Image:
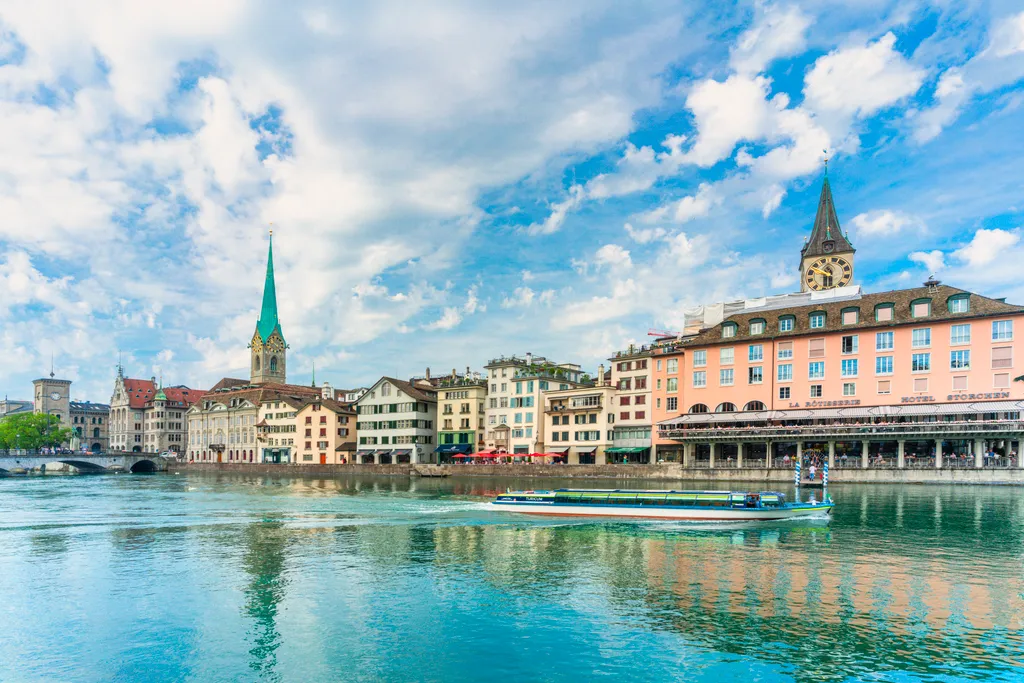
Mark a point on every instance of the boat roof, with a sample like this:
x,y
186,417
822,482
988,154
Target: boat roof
x,y
599,491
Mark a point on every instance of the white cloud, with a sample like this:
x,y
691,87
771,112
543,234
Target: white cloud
x,y
521,297
644,235
987,246
449,319
778,32
726,113
687,251
883,222
860,80
559,211
934,261
613,256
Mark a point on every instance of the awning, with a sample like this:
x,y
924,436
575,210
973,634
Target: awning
x,y
454,448
624,449
380,453
401,452
365,452
590,452
558,451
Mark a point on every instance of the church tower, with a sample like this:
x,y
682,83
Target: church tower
x,y
826,261
268,346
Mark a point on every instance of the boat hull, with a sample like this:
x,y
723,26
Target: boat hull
x,y
706,514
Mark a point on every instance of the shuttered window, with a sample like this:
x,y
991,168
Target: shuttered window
x,y
1002,357
816,348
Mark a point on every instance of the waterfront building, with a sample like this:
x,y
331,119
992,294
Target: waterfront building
x,y
328,432
396,422
145,417
13,407
515,398
462,411
90,423
631,375
919,377
580,421
276,427
52,396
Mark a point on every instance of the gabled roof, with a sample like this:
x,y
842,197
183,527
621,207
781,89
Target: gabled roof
x,y
407,388
826,230
258,394
337,407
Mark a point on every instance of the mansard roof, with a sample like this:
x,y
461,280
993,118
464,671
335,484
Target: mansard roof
x,y
826,228
900,300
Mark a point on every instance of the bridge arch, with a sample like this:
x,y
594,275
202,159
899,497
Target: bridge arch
x,y
143,466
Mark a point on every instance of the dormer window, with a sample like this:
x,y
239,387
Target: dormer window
x,y
817,320
786,323
884,312
851,316
729,330
960,303
921,308
757,326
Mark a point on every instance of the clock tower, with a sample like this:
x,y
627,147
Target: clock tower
x,y
826,261
268,348
53,397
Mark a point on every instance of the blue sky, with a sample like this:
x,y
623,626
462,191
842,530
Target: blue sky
x,y
456,182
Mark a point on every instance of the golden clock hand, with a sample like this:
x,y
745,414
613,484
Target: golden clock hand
x,y
819,271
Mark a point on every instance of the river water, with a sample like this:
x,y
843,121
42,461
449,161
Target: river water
x,y
205,577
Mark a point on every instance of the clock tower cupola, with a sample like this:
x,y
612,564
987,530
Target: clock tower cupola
x,y
826,260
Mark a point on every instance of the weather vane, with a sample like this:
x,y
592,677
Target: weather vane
x,y
826,161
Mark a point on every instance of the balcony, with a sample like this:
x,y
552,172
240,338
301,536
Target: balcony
x,y
974,429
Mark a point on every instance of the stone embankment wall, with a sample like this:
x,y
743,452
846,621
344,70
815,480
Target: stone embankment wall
x,y
664,472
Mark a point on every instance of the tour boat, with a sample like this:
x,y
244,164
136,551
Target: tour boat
x,y
655,504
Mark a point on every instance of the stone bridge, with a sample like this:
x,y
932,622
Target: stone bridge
x,y
85,462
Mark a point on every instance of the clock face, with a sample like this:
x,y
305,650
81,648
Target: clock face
x,y
828,272
55,395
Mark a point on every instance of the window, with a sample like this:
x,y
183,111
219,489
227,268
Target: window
x,y
783,392
921,308
960,303
725,377
921,384
1001,380
658,384
817,320
785,372
816,348
786,323
884,386
921,338
849,389
883,312
755,375
960,334
755,353
921,362
729,330
639,415
815,391
960,360
658,365
851,316
785,350
518,419
725,356
959,382
1002,357
672,364
756,327
672,385
849,367
816,370
883,365
850,343
1002,329
672,403
623,400
884,341
700,379
698,408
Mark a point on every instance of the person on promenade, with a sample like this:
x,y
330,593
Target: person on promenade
x,y
811,471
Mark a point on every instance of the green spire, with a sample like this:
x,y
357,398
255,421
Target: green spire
x,y
268,314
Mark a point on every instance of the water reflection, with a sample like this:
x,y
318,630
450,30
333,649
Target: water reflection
x,y
265,551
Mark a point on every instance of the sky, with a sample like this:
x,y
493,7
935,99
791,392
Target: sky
x,y
449,182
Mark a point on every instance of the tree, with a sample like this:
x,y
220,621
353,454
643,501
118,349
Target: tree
x,y
32,431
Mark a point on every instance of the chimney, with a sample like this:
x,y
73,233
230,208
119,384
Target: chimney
x,y
529,358
428,374
600,375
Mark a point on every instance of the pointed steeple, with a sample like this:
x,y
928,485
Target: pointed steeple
x,y
826,235
268,321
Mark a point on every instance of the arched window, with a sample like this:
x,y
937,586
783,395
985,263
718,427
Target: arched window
x,y
273,363
699,408
256,363
754,405
726,408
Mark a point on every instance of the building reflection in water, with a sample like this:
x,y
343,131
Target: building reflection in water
x,y
264,559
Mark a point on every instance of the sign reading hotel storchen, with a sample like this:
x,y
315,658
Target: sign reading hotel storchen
x,y
989,396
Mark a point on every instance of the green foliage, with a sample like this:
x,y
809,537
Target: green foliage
x,y
32,431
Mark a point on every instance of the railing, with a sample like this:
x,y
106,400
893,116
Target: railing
x,y
871,431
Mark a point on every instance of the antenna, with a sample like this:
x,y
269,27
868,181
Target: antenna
x,y
51,365
826,162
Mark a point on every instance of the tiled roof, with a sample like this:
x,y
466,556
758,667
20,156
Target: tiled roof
x,y
901,299
89,407
258,394
139,391
229,382
183,395
408,389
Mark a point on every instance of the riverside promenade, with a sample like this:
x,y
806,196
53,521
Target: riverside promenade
x,y
659,472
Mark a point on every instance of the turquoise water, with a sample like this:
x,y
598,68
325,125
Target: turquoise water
x,y
235,578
